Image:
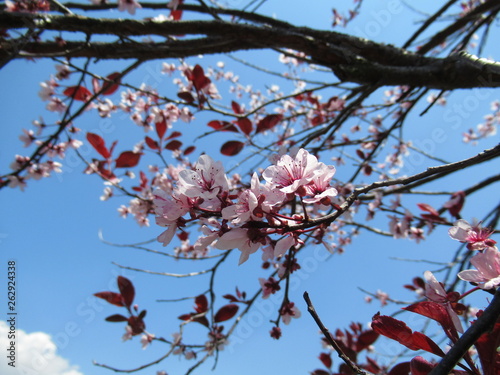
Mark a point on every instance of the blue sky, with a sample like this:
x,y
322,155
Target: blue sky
x,y
51,231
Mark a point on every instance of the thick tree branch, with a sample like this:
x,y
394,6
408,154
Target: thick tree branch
x,y
351,59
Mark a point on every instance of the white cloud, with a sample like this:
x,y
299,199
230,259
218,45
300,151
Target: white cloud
x,y
35,354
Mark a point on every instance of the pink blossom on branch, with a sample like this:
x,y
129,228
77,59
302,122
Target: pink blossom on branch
x,y
487,272
477,238
128,5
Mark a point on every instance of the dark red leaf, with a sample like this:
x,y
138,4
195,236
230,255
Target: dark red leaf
x,y
236,108
400,369
455,204
399,331
142,314
365,339
326,359
174,134
231,148
185,317
201,304
486,347
223,126
127,290
268,122
161,128
226,312
116,318
152,143
198,78
173,145
176,14
111,297
419,366
186,96
128,159
189,150
98,143
230,297
110,87
436,312
361,154
78,93
245,125
320,372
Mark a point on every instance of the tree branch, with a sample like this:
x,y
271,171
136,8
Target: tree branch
x,y
351,59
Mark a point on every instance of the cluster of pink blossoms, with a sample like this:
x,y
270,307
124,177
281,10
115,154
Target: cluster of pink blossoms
x,y
247,218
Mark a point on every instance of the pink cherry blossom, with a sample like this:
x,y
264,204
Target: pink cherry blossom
x,y
290,174
253,203
477,238
128,5
289,311
246,240
207,181
269,286
283,245
319,187
487,272
435,292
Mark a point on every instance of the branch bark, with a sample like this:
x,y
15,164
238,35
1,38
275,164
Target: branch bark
x,y
351,59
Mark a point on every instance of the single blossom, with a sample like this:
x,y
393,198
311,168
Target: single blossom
x,y
289,311
290,175
207,181
476,237
319,187
487,272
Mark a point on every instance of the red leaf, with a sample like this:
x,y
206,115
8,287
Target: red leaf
x,y
400,332
152,143
201,304
98,143
245,125
198,78
186,96
236,108
486,347
176,14
230,297
320,372
78,93
173,145
127,290
111,297
174,134
226,312
326,359
455,204
400,369
419,366
189,150
366,339
268,122
361,154
116,318
436,312
161,128
223,126
109,87
231,148
128,159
